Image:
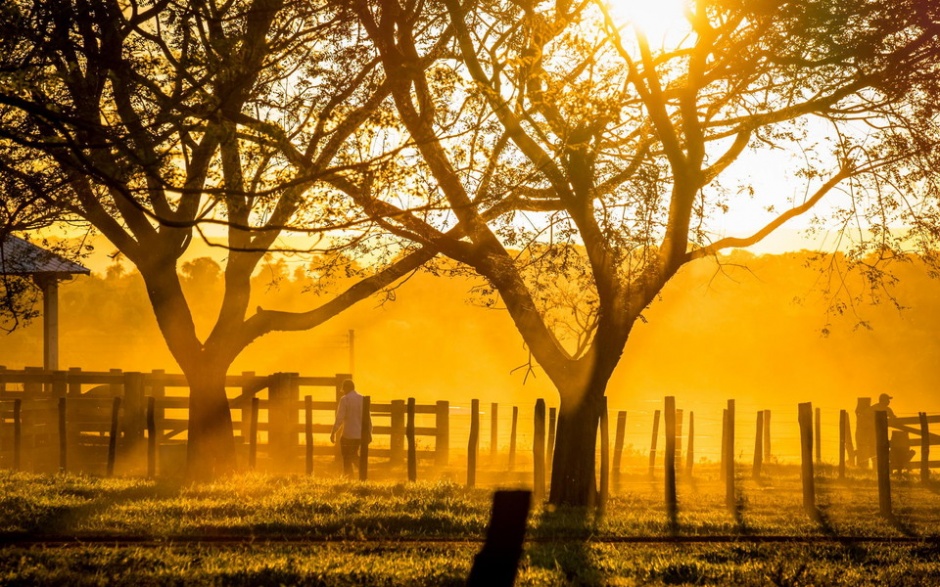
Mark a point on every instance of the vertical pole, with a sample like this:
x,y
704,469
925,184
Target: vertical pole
x,y
758,446
605,455
112,438
924,448
397,439
722,469
538,451
550,451
63,439
730,500
442,441
690,452
253,433
678,439
410,434
618,445
843,433
50,322
669,460
767,436
512,438
653,441
135,418
151,436
847,440
494,430
248,392
473,443
75,388
884,466
366,438
17,433
806,455
308,432
818,436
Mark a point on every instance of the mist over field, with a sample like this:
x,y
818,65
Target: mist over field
x,y
744,327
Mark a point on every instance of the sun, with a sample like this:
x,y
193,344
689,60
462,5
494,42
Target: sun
x,y
655,19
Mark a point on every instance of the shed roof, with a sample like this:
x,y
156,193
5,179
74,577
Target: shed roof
x,y
20,257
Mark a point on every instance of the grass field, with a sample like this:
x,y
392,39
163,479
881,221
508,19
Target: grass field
x,y
263,530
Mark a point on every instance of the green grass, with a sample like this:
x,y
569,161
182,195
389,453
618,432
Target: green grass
x,y
302,531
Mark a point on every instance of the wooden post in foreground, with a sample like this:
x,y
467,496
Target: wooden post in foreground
x,y
366,438
758,446
410,438
843,426
605,456
397,436
512,438
112,437
497,562
883,464
690,451
653,441
669,461
817,437
618,445
538,451
308,432
151,436
924,448
473,443
766,436
806,455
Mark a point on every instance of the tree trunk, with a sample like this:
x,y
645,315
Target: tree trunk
x,y
211,448
573,480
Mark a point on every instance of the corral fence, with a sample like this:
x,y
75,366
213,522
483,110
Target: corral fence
x,y
86,421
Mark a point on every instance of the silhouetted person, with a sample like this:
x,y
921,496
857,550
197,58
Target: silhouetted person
x,y
349,425
882,406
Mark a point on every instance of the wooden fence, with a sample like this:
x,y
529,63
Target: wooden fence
x,y
63,420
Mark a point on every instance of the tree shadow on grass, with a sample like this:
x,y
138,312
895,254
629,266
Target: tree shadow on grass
x,y
561,543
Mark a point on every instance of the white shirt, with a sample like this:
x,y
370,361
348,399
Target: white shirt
x,y
349,415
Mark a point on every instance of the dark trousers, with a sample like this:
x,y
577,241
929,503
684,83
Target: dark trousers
x,y
350,450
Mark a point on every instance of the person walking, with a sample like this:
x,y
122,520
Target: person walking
x,y
349,427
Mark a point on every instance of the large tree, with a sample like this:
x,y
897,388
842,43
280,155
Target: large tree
x,y
578,163
144,120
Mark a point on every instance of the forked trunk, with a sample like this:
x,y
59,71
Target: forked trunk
x,y
211,448
573,480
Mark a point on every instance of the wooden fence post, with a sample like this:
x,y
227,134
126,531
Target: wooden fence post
x,y
497,562
282,421
550,450
883,464
410,435
473,444
112,438
308,432
135,417
690,451
730,499
538,451
60,385
843,426
618,445
847,439
806,456
253,433
442,438
152,437
767,436
758,446
678,439
669,461
512,438
653,441
817,437
924,448
17,433
397,438
605,455
494,430
365,438
63,438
